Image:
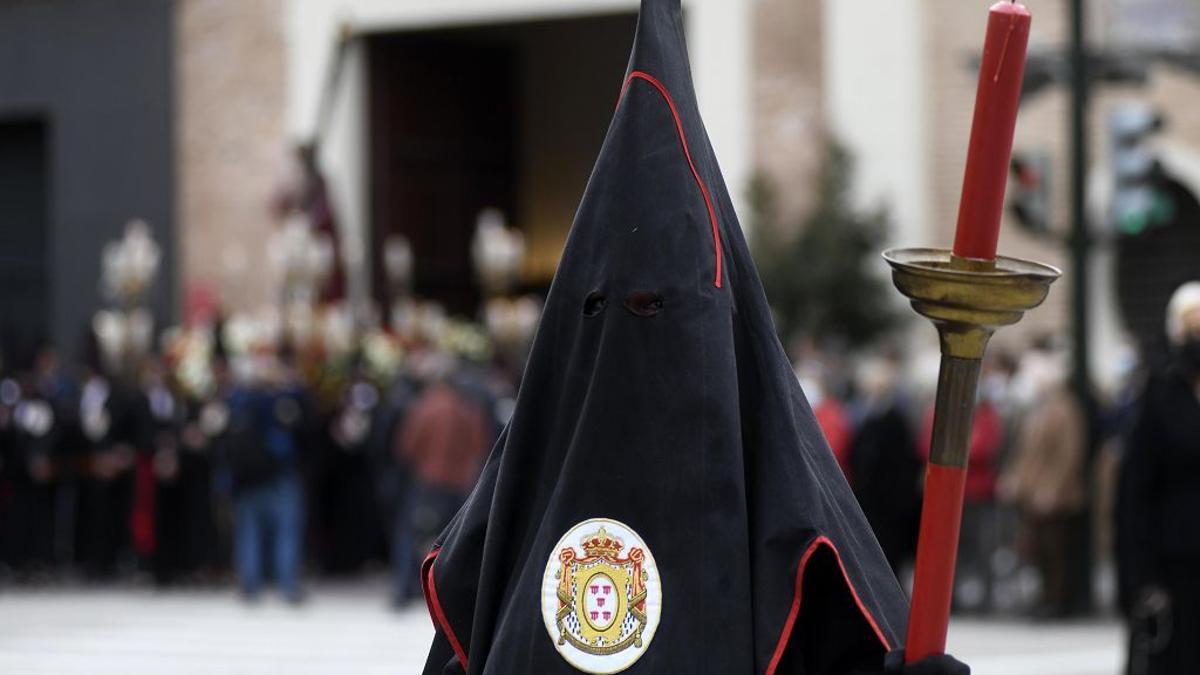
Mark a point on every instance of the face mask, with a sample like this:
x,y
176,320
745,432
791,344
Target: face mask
x,y
1189,355
993,388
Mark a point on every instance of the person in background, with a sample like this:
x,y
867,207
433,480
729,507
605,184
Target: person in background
x,y
998,385
347,519
203,419
214,421
35,467
392,486
830,413
1046,480
884,464
9,395
1158,506
443,442
166,526
115,420
262,457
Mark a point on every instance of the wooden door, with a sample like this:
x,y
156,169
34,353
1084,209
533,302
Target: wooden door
x,y
442,148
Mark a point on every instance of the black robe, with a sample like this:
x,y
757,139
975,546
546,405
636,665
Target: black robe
x,y
31,522
1158,534
104,539
886,472
658,399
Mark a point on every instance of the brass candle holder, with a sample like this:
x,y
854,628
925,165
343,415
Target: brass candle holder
x,y
967,300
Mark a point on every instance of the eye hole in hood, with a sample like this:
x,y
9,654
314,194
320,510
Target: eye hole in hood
x,y
594,303
644,303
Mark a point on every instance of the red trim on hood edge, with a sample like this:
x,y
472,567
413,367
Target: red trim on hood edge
x,y
794,613
712,213
435,608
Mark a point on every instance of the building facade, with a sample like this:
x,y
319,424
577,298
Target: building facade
x,y
86,125
190,116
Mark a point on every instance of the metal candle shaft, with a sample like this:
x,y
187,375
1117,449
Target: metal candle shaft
x,y
941,512
967,300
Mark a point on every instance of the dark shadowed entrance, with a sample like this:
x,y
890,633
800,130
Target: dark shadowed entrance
x,y
24,231
508,116
443,148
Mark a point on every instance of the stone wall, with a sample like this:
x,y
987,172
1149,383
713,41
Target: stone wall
x,y
788,125
231,142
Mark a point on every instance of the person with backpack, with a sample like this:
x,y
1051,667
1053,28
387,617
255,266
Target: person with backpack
x,y
262,461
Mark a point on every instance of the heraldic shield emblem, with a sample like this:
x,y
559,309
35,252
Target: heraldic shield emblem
x,y
601,596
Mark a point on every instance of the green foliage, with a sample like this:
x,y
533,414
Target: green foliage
x,y
823,278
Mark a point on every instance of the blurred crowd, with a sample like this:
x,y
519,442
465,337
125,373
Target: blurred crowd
x,y
1060,517
317,434
235,450
215,456
1025,488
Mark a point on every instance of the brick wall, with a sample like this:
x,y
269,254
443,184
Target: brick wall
x,y
231,142
788,126
956,33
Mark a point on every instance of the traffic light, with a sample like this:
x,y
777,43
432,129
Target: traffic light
x,y
1030,190
1138,203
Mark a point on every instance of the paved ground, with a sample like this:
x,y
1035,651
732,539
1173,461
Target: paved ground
x,y
1024,648
347,630
340,630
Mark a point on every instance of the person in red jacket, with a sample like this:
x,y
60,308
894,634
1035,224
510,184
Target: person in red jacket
x,y
831,416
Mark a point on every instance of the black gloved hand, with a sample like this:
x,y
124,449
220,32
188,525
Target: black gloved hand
x,y
940,664
1152,620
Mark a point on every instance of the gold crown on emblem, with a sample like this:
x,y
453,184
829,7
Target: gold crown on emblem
x,y
601,544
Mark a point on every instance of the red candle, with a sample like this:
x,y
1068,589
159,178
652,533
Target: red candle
x,y
996,99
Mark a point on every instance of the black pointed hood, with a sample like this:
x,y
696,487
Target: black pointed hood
x,y
659,413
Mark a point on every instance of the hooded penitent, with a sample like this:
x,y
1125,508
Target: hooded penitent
x,y
662,500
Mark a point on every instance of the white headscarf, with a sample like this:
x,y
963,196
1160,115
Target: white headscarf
x,y
1185,299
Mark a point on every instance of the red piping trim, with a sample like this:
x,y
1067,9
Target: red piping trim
x,y
712,213
435,608
795,611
